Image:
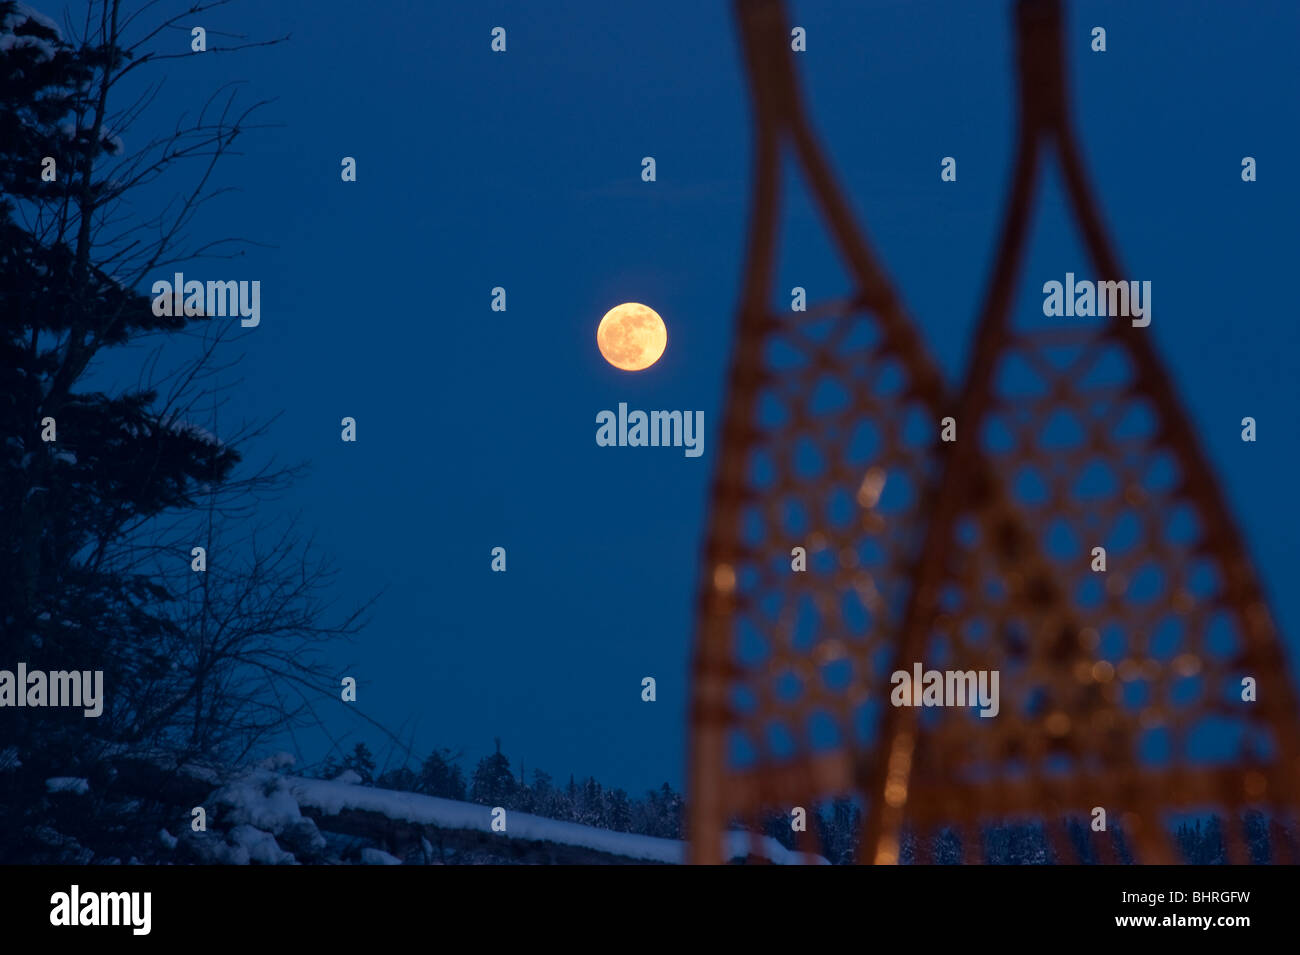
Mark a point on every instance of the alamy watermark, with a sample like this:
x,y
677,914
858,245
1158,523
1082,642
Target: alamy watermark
x,y
75,907
214,299
656,429
946,688
1103,299
76,688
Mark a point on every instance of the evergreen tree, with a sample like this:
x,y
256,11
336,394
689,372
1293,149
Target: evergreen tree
x,y
401,779
113,460
361,762
440,775
590,807
493,784
669,805
1188,841
1081,840
618,811
1255,826
103,494
543,785
549,800
1212,850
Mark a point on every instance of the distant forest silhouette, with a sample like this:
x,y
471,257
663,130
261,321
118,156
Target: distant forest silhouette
x,y
837,824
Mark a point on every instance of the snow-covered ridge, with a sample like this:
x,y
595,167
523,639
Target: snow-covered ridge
x,y
332,797
265,802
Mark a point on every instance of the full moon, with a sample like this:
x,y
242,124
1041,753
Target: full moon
x,y
631,336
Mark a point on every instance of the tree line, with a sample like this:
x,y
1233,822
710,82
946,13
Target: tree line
x,y
835,825
493,782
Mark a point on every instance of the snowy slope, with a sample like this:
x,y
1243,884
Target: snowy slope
x,y
274,802
332,797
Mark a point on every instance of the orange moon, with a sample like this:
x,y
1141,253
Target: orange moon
x,y
631,336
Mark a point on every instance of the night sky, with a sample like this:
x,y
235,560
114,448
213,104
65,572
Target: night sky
x,y
522,170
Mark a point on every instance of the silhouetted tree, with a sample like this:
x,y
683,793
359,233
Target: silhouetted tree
x,y
441,776
361,762
97,525
618,811
402,779
493,784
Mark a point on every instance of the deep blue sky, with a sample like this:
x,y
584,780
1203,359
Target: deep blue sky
x,y
476,429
